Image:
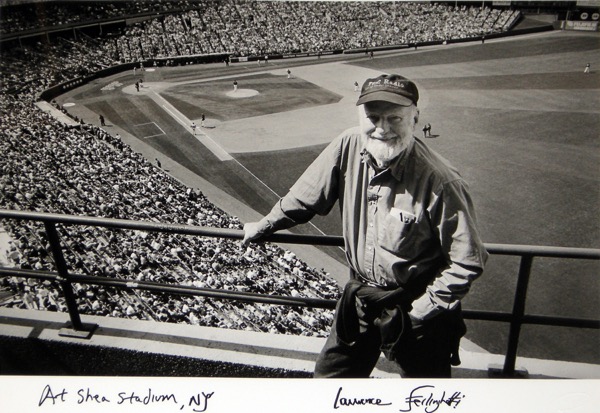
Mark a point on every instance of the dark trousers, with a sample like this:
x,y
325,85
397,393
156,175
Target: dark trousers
x,y
426,353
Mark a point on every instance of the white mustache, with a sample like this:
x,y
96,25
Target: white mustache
x,y
381,135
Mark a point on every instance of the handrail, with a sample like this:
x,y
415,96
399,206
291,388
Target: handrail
x,y
285,238
516,318
154,286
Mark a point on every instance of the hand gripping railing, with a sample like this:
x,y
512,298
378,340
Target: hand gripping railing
x,y
78,329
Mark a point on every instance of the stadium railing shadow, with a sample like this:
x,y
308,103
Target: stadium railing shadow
x,y
75,328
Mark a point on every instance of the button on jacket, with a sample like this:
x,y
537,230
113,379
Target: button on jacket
x,y
412,224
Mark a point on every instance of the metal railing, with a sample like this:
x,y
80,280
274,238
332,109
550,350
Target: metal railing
x,y
517,318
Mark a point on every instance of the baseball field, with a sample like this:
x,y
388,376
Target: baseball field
x,y
518,117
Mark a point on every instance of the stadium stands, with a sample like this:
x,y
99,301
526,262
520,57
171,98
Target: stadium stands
x,y
85,171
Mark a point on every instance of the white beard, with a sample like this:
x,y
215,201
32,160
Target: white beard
x,y
385,151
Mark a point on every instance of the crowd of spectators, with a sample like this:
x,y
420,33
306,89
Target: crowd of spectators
x,y
27,71
245,28
47,166
21,17
278,27
83,170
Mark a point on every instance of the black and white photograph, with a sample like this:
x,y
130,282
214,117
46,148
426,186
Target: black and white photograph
x,y
239,205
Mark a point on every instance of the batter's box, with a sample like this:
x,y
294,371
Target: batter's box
x,y
149,130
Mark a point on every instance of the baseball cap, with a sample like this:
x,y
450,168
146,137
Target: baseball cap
x,y
390,88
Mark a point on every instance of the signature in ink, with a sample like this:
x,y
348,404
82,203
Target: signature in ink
x,y
425,398
341,401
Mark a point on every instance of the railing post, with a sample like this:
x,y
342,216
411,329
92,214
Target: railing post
x,y
75,328
517,317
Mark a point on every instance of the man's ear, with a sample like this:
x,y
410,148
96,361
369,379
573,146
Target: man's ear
x,y
416,118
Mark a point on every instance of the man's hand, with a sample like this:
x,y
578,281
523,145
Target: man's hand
x,y
253,231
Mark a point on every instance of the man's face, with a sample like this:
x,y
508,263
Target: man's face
x,y
388,129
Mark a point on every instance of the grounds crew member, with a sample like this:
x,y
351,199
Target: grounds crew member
x,y
410,234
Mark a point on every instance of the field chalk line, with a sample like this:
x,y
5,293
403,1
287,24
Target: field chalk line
x,y
213,146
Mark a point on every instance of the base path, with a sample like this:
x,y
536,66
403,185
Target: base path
x,y
206,140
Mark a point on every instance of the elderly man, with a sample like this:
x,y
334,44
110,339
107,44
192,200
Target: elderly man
x,y
410,233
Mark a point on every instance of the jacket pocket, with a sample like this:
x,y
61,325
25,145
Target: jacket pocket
x,y
395,232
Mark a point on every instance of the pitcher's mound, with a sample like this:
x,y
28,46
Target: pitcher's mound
x,y
242,93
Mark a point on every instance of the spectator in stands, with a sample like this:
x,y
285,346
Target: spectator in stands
x,y
410,235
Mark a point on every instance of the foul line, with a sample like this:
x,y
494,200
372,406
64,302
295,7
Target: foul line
x,y
275,193
213,146
226,157
153,136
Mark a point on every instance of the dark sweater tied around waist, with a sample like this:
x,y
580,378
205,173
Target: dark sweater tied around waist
x,y
388,311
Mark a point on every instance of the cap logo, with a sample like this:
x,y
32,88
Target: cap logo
x,y
386,82
391,88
